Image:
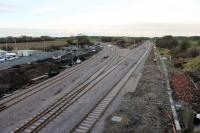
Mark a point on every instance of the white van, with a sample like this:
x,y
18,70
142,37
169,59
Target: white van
x,y
11,56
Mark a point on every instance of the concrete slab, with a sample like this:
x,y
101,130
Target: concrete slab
x,y
133,82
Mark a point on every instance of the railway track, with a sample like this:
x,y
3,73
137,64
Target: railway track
x,y
90,119
53,81
40,120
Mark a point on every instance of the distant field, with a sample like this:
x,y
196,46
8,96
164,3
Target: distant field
x,y
36,45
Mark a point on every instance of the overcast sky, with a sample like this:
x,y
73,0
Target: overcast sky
x,y
99,17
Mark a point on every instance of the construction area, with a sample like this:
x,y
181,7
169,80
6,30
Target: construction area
x,y
23,76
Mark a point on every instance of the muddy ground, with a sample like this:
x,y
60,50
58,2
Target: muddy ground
x,y
20,76
147,110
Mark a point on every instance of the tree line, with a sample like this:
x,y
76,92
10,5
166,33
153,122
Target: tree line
x,y
170,42
180,46
23,39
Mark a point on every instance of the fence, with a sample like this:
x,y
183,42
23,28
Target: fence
x,y
33,58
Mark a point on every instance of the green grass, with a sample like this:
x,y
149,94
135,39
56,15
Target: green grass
x,y
192,64
194,43
164,52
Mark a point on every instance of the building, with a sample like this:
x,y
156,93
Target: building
x,y
2,53
24,53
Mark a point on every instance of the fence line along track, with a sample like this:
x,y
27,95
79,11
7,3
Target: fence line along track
x,y
43,118
55,80
90,119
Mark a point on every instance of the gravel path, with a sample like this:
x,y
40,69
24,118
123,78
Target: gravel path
x,y
146,109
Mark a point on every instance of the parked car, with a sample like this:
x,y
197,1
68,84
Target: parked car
x,y
2,59
106,56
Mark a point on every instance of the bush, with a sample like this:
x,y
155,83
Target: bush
x,y
168,42
175,51
52,48
194,52
199,43
184,45
193,64
106,39
70,41
82,40
9,48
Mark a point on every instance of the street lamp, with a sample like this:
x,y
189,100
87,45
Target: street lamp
x,y
27,44
78,60
44,44
15,44
6,47
72,58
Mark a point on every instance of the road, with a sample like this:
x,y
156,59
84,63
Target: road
x,y
62,103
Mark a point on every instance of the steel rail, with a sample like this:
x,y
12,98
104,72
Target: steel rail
x,y
90,119
65,98
56,80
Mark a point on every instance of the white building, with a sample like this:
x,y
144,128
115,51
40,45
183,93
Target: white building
x,y
23,53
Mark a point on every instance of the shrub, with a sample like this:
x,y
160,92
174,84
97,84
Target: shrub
x,y
168,42
194,52
9,48
184,45
106,39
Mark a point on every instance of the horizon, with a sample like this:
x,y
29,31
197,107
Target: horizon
x,y
138,18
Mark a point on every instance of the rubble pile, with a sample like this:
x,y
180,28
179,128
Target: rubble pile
x,y
184,89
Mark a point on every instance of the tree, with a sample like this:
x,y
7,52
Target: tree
x,y
106,39
121,43
24,38
82,40
185,45
194,52
70,41
47,38
9,48
167,42
199,43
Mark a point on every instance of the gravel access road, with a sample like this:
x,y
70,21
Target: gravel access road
x,y
144,109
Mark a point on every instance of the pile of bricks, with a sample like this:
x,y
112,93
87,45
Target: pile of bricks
x,y
184,89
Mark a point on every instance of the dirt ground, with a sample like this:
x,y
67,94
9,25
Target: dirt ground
x,y
20,76
147,110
